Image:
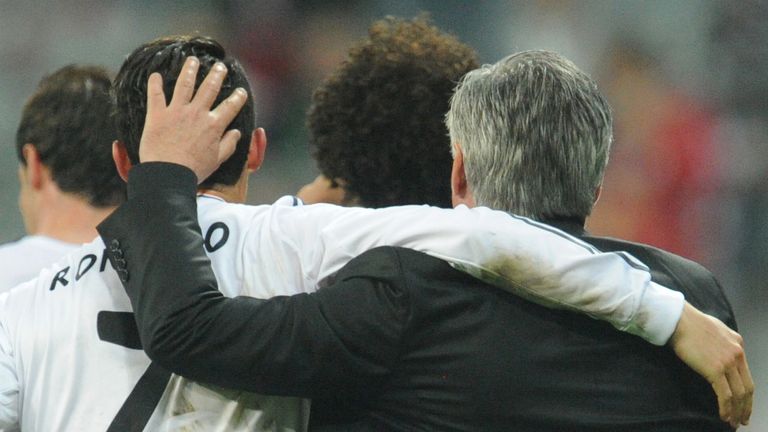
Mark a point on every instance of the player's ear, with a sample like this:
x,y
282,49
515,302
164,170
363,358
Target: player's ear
x,y
122,161
460,193
257,149
35,170
598,191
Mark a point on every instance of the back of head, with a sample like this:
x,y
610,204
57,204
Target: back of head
x,y
68,121
166,56
376,124
535,133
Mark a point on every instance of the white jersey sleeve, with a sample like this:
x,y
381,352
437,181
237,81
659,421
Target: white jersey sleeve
x,y
530,259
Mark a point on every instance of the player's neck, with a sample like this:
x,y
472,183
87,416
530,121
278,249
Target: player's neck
x,y
68,218
236,193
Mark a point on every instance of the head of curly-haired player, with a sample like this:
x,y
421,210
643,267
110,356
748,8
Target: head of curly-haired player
x,y
376,124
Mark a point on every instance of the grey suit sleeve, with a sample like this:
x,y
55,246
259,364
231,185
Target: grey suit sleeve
x,y
301,345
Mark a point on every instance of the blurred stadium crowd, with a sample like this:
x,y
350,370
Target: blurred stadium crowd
x,y
688,82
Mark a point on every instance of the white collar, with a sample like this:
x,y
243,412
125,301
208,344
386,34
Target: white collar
x,y
205,195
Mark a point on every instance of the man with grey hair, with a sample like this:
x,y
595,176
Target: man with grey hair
x,y
534,133
401,340
531,135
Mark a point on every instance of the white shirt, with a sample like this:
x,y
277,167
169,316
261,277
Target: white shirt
x,y
23,259
59,372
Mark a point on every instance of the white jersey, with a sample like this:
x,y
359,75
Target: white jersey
x,y
23,259
70,359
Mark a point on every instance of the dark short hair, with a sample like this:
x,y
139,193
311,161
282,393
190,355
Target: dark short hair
x,y
166,56
68,122
376,124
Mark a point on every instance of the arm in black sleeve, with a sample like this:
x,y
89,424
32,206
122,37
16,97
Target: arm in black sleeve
x,y
344,337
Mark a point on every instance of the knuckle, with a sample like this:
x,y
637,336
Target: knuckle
x,y
736,356
740,339
720,368
726,396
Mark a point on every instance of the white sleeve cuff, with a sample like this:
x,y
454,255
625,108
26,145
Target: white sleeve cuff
x,y
658,314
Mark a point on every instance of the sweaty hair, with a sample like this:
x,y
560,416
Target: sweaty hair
x,y
68,122
376,124
535,133
167,56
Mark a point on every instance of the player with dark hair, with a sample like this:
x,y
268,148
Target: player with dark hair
x,y
168,55
68,181
376,123
83,315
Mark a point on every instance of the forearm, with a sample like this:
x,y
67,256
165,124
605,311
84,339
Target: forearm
x,y
281,346
558,271
524,257
242,343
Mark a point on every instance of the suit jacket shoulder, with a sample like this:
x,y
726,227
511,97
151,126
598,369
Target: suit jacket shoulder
x,y
697,283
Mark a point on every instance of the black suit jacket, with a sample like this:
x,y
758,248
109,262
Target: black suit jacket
x,y
401,341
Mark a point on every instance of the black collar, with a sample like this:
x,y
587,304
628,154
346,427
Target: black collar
x,y
570,224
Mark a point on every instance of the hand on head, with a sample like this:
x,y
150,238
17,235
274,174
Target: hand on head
x,y
188,131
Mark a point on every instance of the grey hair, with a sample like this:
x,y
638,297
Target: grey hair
x,y
534,132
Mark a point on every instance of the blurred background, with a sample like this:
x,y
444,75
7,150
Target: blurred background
x,y
688,82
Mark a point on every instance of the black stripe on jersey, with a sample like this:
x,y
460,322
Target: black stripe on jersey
x,y
623,255
118,328
557,232
632,262
141,403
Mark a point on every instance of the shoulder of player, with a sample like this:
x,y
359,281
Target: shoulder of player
x,y
6,245
11,249
236,216
74,266
287,217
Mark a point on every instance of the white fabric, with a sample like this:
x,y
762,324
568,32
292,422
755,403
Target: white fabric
x,y
56,373
23,259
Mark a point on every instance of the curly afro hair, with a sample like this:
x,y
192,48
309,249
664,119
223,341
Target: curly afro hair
x,y
376,125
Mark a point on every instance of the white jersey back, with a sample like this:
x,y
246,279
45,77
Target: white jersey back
x,y
70,358
23,259
78,362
